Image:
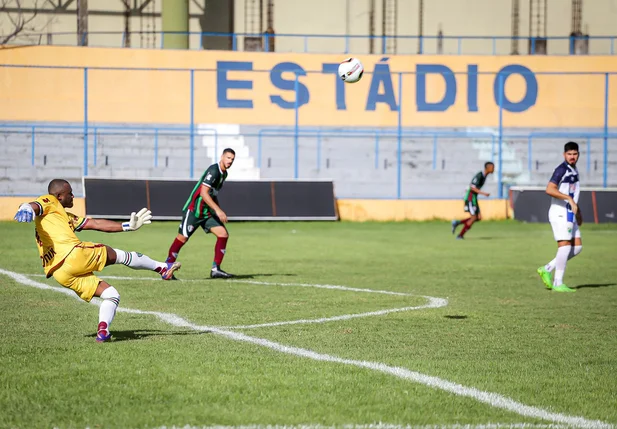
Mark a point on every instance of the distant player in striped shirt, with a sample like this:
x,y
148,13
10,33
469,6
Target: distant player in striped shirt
x,y
471,200
202,210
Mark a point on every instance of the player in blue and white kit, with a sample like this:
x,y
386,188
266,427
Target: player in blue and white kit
x,y
565,218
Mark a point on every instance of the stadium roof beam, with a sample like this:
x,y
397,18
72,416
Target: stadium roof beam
x,y
68,7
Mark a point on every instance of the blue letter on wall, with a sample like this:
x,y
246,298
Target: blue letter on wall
x,y
448,98
381,74
472,88
276,76
531,92
340,85
223,84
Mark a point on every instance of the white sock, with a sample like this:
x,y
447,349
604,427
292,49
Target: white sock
x,y
137,261
561,261
111,299
575,251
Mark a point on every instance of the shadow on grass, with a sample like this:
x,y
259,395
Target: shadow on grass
x,y
455,317
258,275
139,334
594,285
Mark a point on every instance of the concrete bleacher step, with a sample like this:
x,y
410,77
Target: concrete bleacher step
x,y
347,159
38,173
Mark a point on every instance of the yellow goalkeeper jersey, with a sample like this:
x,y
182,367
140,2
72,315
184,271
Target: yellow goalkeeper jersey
x,y
55,232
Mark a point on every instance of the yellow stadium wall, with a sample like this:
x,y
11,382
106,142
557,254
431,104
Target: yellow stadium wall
x,y
265,95
349,210
9,206
417,210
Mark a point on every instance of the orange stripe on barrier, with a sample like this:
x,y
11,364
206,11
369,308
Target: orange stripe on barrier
x,y
148,194
273,199
595,206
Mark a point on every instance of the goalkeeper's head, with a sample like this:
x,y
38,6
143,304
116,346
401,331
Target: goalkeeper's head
x,y
61,189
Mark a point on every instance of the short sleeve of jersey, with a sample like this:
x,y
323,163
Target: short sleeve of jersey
x,y
47,204
211,177
77,221
558,174
477,180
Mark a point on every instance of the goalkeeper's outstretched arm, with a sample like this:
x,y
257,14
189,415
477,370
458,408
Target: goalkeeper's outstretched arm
x,y
137,220
102,225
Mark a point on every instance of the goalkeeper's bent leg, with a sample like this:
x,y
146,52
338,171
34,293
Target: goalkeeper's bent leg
x,y
138,261
107,312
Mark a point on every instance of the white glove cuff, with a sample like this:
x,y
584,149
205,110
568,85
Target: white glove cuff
x,y
27,207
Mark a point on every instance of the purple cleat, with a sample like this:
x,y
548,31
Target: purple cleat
x,y
167,273
103,335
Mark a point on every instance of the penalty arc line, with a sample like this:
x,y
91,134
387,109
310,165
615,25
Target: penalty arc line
x,y
432,301
492,399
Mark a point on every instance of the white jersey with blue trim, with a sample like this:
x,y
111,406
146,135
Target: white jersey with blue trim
x,y
565,177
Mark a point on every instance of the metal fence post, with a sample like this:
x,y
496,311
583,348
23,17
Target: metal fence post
x,y
588,154
605,148
85,121
492,147
95,146
376,150
216,145
192,126
156,148
399,136
529,155
319,149
434,151
259,137
500,134
33,143
296,118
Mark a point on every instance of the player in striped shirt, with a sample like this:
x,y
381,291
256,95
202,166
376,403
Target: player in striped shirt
x,y
471,200
202,210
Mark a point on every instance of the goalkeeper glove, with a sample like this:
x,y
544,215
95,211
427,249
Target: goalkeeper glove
x,y
142,217
25,213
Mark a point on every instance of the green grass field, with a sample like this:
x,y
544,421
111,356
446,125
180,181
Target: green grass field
x,y
504,350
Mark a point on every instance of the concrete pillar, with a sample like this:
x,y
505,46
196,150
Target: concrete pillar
x,y
175,17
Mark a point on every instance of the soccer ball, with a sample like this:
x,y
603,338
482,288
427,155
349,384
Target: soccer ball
x,y
351,70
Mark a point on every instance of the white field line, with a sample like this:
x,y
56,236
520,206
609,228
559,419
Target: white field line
x,y
381,426
337,287
432,302
492,399
253,282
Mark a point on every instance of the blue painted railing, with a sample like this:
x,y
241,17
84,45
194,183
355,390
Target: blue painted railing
x,y
337,43
264,136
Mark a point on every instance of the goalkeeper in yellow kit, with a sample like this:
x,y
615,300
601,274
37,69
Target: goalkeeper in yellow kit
x,y
72,262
